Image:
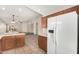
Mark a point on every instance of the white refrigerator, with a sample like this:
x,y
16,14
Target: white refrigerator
x,y
63,39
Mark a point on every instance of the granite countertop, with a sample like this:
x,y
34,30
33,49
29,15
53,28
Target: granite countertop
x,y
11,34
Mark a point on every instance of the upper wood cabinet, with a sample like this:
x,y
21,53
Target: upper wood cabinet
x,y
44,22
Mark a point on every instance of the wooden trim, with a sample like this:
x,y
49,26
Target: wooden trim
x,y
76,8
0,46
44,22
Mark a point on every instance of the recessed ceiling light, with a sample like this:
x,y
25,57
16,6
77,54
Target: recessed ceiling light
x,y
3,8
20,9
39,9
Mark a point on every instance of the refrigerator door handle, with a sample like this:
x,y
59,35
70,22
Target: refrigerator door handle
x,y
51,31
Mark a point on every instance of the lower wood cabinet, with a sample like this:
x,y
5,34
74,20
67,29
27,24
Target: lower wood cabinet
x,y
42,42
0,46
20,41
10,42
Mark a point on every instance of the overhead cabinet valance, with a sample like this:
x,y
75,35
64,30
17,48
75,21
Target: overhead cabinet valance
x,y
44,22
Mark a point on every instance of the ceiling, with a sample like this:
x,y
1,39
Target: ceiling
x,y
48,9
27,12
22,13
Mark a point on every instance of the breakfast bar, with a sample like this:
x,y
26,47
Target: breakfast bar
x,y
11,41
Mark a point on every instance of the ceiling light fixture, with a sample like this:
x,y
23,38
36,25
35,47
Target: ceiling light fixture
x,y
3,8
13,21
20,9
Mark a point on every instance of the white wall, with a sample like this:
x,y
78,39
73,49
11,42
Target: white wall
x,y
27,27
2,28
30,26
19,27
65,37
36,27
23,27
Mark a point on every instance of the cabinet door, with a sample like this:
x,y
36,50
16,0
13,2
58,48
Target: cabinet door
x,y
42,42
0,45
20,40
66,33
8,42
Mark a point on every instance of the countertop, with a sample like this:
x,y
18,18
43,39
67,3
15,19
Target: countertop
x,y
11,34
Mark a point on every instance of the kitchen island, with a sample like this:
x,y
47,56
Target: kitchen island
x,y
11,41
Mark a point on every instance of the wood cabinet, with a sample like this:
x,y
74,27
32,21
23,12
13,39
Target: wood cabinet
x,y
10,42
42,42
44,22
20,40
0,46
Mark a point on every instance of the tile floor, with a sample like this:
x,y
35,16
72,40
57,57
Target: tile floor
x,y
31,47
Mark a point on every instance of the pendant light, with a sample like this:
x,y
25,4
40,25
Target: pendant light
x,y
13,21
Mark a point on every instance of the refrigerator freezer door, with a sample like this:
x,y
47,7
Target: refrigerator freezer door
x,y
51,35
